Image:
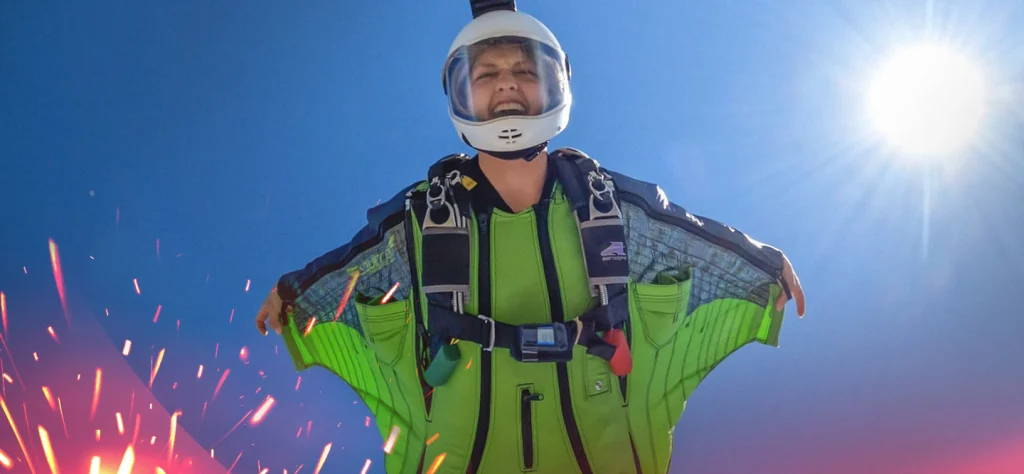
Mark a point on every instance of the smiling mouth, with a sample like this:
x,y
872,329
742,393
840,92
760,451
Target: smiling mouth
x,y
506,109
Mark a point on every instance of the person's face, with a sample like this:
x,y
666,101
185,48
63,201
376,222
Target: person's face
x,y
504,82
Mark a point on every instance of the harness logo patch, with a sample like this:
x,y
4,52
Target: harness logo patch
x,y
615,251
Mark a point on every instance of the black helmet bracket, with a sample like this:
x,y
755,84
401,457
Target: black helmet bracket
x,y
483,6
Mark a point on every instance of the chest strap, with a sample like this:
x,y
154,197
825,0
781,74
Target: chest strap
x,y
446,259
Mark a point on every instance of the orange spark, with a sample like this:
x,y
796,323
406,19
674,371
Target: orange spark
x,y
49,398
265,470
174,428
211,453
97,435
160,470
156,368
62,422
262,411
200,374
58,276
298,433
135,432
127,462
297,382
94,466
96,393
157,315
120,423
152,440
433,438
389,294
8,378
5,460
137,292
49,329
243,355
236,461
309,327
220,384
233,428
469,364
309,427
231,317
247,285
348,293
127,347
44,438
323,457
35,356
8,352
392,438
437,463
3,309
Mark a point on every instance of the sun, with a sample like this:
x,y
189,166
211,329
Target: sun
x,y
928,100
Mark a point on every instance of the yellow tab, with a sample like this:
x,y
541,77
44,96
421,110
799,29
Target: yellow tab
x,y
468,183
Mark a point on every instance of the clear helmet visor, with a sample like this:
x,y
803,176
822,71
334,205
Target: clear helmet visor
x,y
505,76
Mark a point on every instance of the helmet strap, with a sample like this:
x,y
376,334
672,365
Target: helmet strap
x,y
526,155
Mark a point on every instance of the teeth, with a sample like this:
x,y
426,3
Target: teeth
x,y
509,106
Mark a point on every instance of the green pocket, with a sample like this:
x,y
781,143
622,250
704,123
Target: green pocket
x,y
384,326
662,305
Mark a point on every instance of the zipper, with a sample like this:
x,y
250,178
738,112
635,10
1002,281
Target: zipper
x,y
526,421
483,422
624,380
421,350
558,315
636,457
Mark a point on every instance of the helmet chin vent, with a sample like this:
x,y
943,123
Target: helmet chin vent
x,y
510,135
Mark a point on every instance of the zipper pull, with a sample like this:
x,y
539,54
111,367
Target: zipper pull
x,y
532,397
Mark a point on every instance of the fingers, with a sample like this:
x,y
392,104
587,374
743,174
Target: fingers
x,y
261,321
798,295
275,320
792,281
270,310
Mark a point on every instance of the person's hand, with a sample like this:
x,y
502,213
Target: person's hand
x,y
793,283
271,310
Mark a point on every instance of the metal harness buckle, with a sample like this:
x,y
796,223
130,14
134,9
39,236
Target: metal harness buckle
x,y
490,321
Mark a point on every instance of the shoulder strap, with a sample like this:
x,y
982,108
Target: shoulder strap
x,y
591,194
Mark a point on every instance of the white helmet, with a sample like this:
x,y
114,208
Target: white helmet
x,y
508,136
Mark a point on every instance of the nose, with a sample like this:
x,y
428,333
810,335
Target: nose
x,y
507,81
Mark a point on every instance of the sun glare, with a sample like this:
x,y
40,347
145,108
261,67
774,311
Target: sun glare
x,y
927,100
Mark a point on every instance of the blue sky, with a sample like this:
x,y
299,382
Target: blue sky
x,y
251,138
